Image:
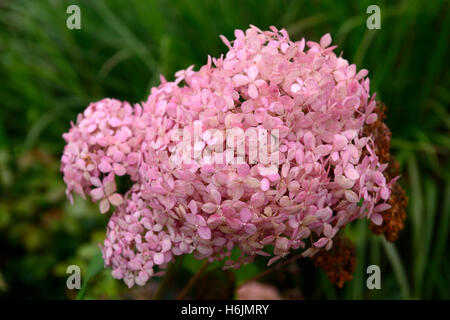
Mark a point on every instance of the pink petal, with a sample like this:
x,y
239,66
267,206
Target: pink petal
x,y
92,128
201,221
361,74
234,223
192,218
166,244
382,207
143,276
325,41
97,194
282,243
327,230
339,142
114,122
205,250
309,140
371,118
243,169
104,206
119,169
117,273
109,186
377,219
248,107
252,72
324,213
118,156
204,233
209,207
132,158
344,182
321,242
323,150
225,41
250,228
214,220
245,215
252,91
257,199
240,80
384,193
158,258
115,199
96,182
352,103
351,173
273,260
216,196
329,245
351,196
104,167
265,185
193,207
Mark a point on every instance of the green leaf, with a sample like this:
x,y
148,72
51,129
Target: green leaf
x,y
397,266
95,266
360,202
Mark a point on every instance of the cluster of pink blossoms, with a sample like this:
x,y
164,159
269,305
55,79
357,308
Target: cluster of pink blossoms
x,y
328,174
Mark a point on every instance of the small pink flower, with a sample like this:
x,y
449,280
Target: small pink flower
x,y
250,80
106,192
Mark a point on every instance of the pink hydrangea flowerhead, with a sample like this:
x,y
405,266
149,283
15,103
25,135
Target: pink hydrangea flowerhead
x,y
197,192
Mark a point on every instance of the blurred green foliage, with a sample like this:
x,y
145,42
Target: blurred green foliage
x,y
49,74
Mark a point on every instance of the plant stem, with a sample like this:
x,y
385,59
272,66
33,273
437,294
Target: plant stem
x,y
192,281
164,282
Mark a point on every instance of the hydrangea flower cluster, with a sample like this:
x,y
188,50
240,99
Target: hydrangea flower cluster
x,y
328,174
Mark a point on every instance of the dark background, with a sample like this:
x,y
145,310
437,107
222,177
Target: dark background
x,y
48,74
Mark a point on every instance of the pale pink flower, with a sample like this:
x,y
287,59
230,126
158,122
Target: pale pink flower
x,y
105,192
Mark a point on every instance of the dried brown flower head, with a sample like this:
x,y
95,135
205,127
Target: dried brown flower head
x,y
339,263
394,218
